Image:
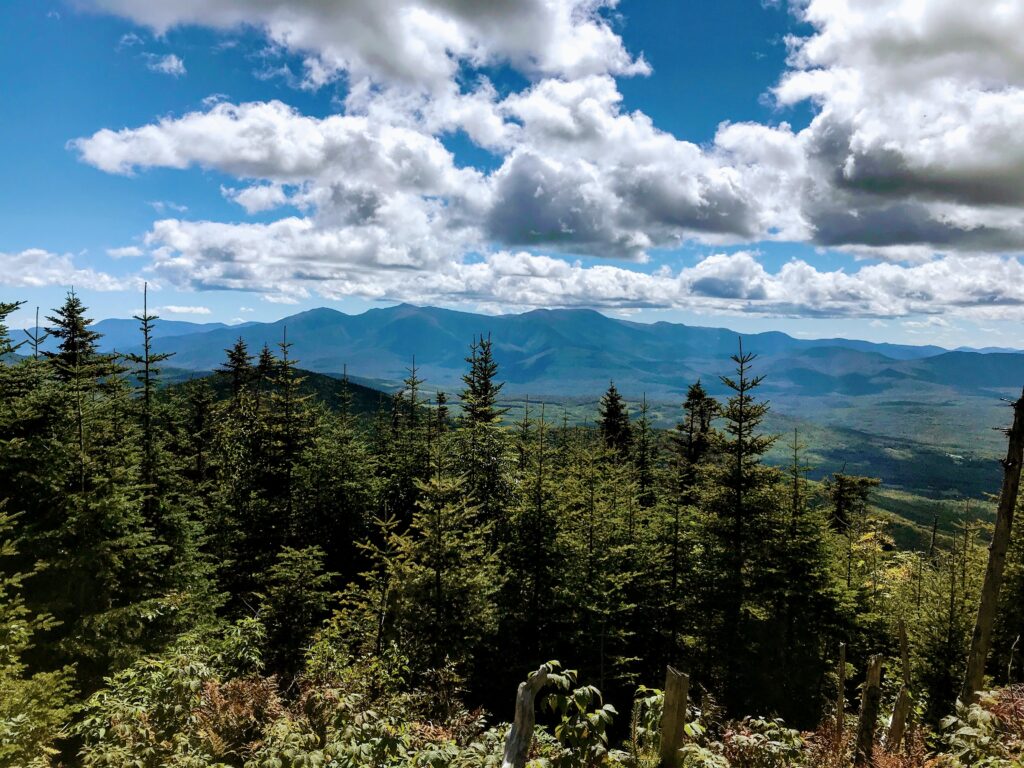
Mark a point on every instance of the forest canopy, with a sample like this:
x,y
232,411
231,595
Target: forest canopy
x,y
232,572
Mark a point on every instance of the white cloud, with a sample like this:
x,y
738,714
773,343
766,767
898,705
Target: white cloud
x,y
128,40
128,251
165,65
34,268
286,266
175,309
913,158
918,105
162,206
214,98
420,43
261,197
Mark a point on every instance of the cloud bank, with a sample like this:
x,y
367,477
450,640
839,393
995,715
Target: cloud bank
x,y
913,159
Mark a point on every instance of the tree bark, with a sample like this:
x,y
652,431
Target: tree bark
x,y
520,734
870,699
981,640
673,716
901,710
840,696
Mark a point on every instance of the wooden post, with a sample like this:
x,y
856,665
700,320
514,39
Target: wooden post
x,y
901,710
673,716
870,699
520,733
982,637
840,696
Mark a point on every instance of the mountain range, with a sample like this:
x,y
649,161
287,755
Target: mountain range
x,y
919,417
577,352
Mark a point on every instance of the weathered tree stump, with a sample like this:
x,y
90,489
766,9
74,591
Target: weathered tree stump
x,y
870,699
840,696
520,733
673,716
901,710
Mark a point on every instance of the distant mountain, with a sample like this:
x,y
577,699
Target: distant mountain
x,y
990,350
120,334
576,352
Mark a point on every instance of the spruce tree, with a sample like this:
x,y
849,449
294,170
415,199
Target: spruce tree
x,y
290,429
613,422
295,598
741,496
448,577
148,374
402,447
480,396
77,357
335,488
7,347
238,367
83,518
533,601
801,589
483,443
644,458
848,496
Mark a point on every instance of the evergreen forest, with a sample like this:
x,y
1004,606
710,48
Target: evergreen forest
x,y
231,571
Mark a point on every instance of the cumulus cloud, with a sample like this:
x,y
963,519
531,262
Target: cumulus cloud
x,y
165,65
35,267
913,159
918,107
257,198
415,42
304,261
582,177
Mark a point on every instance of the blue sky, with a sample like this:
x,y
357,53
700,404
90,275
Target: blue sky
x,y
751,164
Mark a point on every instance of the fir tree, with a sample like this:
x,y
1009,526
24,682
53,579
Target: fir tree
x,y
290,429
482,441
148,375
77,357
848,496
741,497
480,396
613,422
238,367
644,457
533,601
448,576
7,347
295,600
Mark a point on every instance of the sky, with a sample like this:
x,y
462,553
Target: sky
x,y
820,167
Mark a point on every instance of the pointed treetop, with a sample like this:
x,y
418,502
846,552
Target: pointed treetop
x,y
613,422
76,349
480,397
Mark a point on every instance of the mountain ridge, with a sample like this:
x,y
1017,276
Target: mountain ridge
x,y
576,352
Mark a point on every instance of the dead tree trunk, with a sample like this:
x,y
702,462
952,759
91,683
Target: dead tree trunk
x,y
841,696
974,680
870,699
520,733
673,716
901,710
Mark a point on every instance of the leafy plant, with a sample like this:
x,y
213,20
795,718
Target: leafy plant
x,y
582,731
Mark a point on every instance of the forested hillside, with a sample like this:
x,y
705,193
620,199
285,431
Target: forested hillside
x,y
246,570
919,417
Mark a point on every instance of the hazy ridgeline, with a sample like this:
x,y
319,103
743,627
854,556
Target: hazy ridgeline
x,y
243,570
